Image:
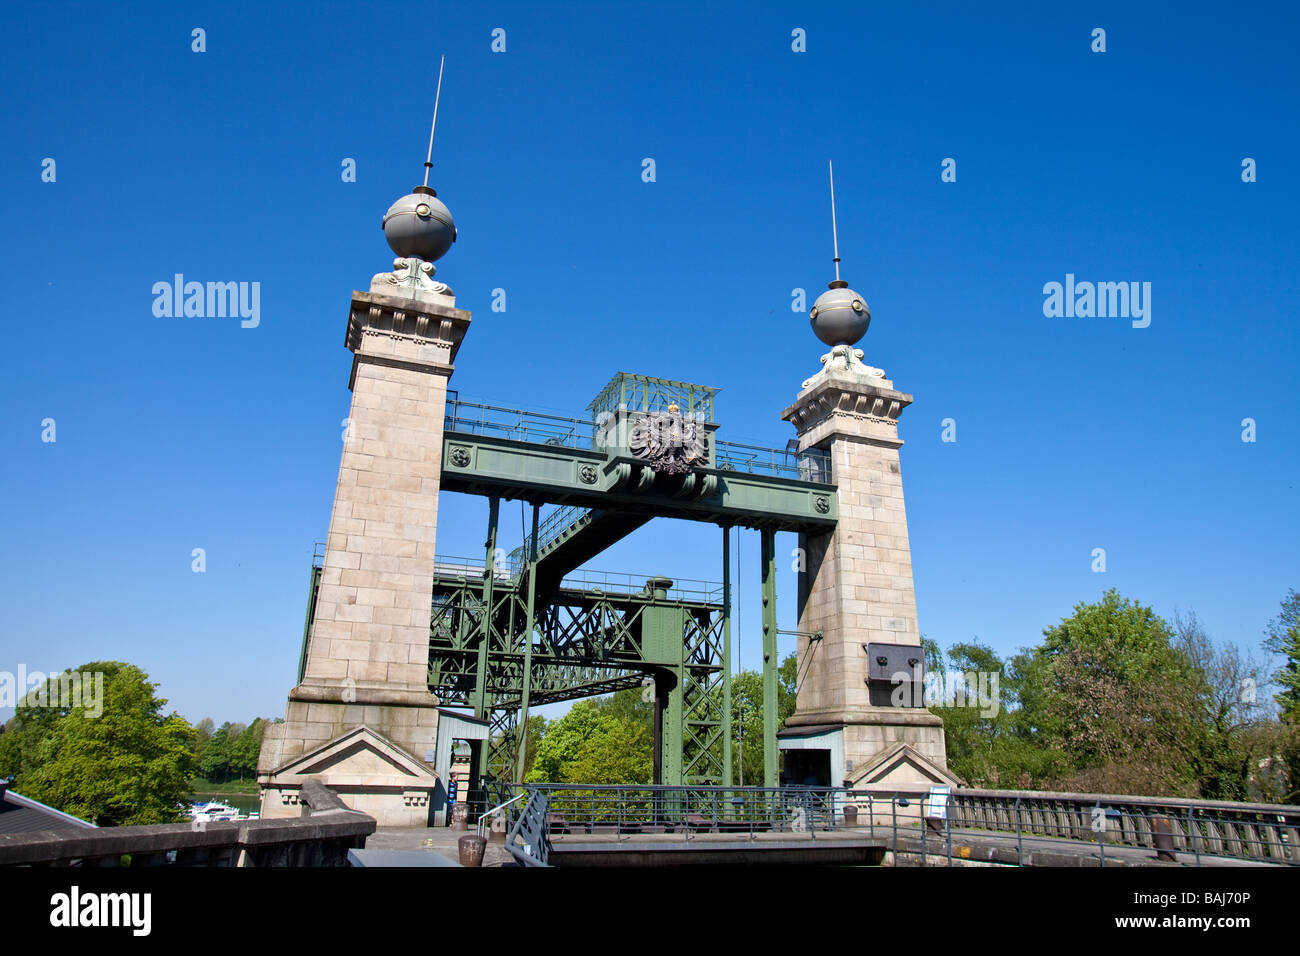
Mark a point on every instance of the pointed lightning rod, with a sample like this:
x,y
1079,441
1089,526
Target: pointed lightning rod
x,y
835,237
428,159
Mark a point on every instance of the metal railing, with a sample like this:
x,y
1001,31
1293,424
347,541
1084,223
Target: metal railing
x,y
527,840
471,569
540,428
616,583
501,809
625,810
689,590
1264,832
517,424
1022,827
811,465
555,526
644,393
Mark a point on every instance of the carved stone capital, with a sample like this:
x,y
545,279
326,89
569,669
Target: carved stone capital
x,y
847,399
421,330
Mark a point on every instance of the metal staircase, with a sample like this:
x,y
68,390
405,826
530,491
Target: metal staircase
x,y
569,538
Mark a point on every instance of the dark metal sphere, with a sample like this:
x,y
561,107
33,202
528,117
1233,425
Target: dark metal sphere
x,y
419,225
840,316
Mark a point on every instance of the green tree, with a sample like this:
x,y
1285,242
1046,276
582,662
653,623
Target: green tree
x,y
130,765
977,702
1224,743
563,742
1113,699
202,734
30,725
617,751
629,705
215,765
747,718
244,749
1283,637
747,728
787,686
532,740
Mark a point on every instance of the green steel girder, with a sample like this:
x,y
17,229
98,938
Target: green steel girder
x,y
501,467
768,559
574,545
502,744
584,643
506,639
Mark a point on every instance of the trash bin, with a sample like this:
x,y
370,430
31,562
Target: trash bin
x,y
471,849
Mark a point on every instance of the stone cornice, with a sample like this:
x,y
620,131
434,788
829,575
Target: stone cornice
x,y
411,328
835,406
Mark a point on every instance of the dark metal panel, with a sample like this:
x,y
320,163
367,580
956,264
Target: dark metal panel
x,y
891,663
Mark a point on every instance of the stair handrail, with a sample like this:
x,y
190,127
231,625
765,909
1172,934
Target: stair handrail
x,y
482,820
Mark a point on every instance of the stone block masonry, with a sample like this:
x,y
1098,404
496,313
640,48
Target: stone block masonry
x,y
856,587
368,645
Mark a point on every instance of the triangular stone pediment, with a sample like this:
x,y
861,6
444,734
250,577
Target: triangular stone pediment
x,y
903,768
359,757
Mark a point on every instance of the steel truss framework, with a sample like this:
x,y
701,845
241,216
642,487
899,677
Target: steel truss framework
x,y
507,637
582,643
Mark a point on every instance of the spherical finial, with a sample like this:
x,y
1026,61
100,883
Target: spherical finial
x,y
840,316
419,225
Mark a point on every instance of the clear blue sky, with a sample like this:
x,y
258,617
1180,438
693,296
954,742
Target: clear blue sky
x,y
1073,434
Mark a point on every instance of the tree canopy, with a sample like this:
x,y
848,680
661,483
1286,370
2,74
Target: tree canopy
x,y
129,765
593,744
1283,637
1116,699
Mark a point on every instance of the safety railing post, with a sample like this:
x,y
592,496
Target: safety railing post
x,y
1020,838
893,807
1104,818
947,826
924,827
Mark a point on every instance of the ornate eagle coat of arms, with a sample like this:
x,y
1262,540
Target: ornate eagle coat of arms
x,y
668,442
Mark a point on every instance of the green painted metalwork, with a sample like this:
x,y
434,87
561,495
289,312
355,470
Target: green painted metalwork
x,y
726,656
529,622
769,657
583,643
569,537
313,587
812,465
556,431
481,708
644,393
590,480
531,632
515,424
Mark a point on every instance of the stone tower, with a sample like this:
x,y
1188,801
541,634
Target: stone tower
x,y
361,717
859,718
